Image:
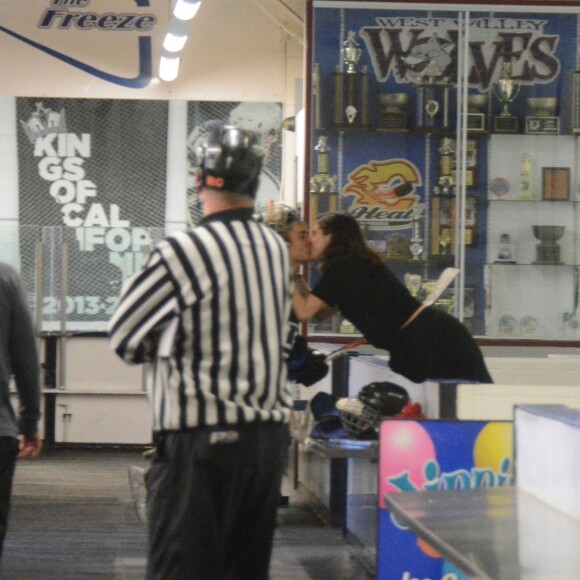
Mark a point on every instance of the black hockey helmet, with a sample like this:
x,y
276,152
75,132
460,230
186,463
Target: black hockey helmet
x,y
231,160
387,398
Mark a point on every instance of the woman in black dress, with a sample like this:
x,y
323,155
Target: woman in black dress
x,y
423,343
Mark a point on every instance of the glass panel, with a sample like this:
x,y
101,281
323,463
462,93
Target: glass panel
x,y
450,135
87,283
55,271
525,63
384,120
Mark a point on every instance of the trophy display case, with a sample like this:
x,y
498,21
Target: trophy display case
x,y
452,135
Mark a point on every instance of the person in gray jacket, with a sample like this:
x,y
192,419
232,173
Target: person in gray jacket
x,y
19,359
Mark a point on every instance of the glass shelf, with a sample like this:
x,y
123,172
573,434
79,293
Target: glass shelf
x,y
541,201
527,264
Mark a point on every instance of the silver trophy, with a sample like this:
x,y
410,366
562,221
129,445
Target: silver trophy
x,y
351,52
505,251
351,112
351,87
506,90
323,183
548,250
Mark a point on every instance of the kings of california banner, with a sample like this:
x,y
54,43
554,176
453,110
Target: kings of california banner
x,y
93,174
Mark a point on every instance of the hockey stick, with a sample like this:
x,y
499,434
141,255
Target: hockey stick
x,y
344,349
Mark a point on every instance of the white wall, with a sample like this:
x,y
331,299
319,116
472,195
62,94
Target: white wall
x,y
104,419
547,443
496,402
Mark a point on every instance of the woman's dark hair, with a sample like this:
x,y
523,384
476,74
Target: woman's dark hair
x,y
347,239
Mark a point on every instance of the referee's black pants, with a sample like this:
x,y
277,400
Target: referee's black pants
x,y
212,500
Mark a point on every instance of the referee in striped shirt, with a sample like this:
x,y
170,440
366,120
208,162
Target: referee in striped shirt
x,y
210,311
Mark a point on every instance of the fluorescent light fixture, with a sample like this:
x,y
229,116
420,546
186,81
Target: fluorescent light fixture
x,y
176,36
168,68
186,9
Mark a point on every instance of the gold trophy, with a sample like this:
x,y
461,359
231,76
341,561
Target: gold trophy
x,y
433,84
445,187
432,108
526,191
543,120
445,242
506,91
351,88
433,105
446,155
322,182
413,282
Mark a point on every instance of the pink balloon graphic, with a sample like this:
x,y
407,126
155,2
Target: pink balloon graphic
x,y
405,447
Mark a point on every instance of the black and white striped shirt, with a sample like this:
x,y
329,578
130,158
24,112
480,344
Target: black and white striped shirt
x,y
227,284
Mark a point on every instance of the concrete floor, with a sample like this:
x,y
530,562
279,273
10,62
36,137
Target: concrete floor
x,y
73,518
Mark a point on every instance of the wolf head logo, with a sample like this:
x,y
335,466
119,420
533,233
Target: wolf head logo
x,y
429,59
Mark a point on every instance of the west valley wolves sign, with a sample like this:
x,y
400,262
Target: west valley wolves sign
x,y
385,179
410,48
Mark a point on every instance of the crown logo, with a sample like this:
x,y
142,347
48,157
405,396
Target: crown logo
x,y
44,121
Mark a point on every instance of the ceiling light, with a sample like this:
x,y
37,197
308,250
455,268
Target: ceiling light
x,y
176,36
186,9
168,68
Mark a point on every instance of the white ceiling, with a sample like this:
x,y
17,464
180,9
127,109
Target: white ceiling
x,y
237,50
289,15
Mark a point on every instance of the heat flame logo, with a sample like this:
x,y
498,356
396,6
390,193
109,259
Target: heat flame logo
x,y
390,184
